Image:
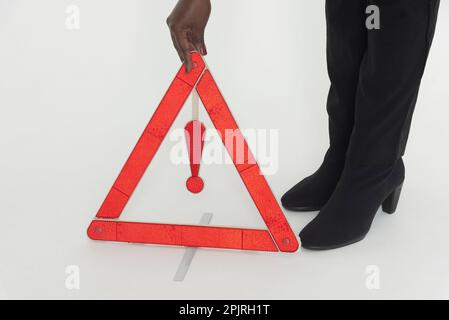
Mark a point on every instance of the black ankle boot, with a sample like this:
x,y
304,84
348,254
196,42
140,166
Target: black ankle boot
x,y
347,216
312,193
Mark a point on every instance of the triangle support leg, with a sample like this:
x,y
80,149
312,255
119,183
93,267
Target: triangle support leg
x,y
245,164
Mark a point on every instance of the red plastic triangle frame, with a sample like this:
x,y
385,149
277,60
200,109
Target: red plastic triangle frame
x,y
106,227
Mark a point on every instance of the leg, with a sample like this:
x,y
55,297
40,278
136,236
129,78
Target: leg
x,y
389,80
346,45
390,77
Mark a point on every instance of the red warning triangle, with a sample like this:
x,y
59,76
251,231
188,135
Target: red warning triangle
x,y
106,227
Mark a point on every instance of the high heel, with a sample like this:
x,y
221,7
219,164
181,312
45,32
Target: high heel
x,y
390,204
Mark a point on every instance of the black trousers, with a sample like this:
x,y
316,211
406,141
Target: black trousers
x,y
375,76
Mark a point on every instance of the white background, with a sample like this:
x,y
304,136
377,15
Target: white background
x,y
74,102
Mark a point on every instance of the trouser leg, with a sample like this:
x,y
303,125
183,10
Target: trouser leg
x,y
346,46
389,80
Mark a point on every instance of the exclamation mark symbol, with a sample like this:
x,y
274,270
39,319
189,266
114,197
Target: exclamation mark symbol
x,y
195,131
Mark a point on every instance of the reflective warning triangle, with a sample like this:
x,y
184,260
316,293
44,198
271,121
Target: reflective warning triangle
x,y
107,227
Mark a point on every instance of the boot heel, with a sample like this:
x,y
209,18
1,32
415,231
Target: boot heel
x,y
391,203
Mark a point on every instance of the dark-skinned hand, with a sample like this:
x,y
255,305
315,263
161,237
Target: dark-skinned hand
x,y
187,23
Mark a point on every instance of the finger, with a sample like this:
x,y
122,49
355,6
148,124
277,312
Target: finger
x,y
177,47
198,41
188,60
186,48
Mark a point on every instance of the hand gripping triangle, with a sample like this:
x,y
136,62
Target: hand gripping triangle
x,y
106,227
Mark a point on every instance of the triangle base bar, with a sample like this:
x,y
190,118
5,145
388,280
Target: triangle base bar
x,y
182,235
